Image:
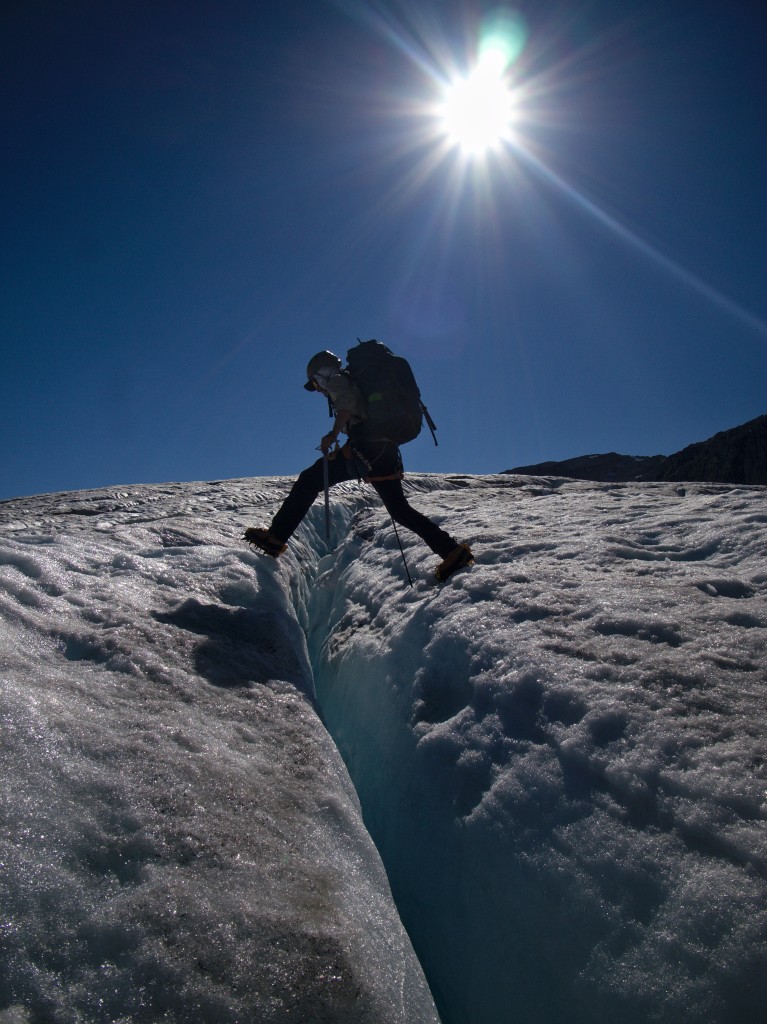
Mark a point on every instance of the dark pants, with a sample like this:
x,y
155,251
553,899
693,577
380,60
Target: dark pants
x,y
368,460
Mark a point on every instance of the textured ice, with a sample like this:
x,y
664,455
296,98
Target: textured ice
x,y
561,754
560,757
180,840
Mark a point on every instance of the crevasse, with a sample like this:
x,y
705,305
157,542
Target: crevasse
x,y
545,750
560,756
179,839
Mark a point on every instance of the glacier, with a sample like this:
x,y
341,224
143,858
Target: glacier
x,y
552,798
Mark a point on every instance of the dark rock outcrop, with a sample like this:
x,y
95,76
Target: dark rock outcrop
x,y
737,456
609,467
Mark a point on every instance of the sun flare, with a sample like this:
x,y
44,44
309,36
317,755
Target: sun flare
x,y
478,111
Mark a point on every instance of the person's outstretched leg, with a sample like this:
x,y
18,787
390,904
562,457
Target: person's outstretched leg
x,y
303,493
402,512
273,541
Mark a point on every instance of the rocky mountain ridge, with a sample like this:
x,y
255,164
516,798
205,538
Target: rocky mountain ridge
x,y
736,456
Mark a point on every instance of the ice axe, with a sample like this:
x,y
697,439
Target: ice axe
x,y
326,484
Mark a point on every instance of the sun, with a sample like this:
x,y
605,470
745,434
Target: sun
x,y
478,111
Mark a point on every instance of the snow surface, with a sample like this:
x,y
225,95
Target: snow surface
x,y
559,754
180,840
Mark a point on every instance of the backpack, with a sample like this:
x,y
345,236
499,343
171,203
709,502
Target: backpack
x,y
394,407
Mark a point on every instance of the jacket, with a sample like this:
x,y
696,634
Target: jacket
x,y
347,397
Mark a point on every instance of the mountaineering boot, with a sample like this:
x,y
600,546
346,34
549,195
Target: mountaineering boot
x,y
264,541
459,557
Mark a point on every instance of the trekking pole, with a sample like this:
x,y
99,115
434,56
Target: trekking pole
x,y
326,483
402,552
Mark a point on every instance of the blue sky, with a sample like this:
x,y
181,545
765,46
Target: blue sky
x,y
198,196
